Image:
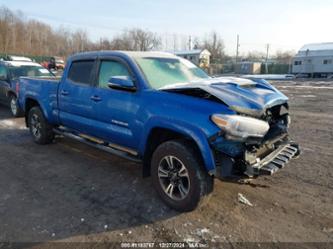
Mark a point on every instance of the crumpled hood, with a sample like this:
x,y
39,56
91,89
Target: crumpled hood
x,y
241,95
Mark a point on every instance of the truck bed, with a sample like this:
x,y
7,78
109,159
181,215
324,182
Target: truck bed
x,y
42,89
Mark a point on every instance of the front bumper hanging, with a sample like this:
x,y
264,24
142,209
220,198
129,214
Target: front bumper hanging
x,y
274,161
264,160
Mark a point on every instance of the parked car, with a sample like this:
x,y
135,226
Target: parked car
x,y
164,112
10,71
17,58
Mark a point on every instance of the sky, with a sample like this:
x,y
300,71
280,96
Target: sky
x,y
284,24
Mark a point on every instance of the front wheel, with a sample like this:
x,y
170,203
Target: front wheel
x,y
40,129
14,108
179,177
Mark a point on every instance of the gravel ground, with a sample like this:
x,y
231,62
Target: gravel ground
x,y
67,191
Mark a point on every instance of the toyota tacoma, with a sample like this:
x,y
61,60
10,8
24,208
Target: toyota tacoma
x,y
160,110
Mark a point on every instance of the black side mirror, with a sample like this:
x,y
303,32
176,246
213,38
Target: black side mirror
x,y
122,83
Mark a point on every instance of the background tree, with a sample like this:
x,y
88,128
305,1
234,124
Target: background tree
x,y
214,44
23,36
254,56
136,39
284,57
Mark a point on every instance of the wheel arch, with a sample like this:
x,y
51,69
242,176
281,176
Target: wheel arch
x,y
11,93
28,105
160,134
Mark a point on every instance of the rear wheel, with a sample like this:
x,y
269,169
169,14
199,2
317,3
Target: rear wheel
x,y
14,108
40,129
179,177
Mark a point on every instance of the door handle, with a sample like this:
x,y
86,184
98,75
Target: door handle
x,y
64,93
96,98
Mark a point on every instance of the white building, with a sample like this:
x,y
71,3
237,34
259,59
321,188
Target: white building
x,y
314,60
200,57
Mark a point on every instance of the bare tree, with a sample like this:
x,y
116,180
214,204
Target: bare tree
x,y
284,57
80,41
215,45
136,39
254,56
19,35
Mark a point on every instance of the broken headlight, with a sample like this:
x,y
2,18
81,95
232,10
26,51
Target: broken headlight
x,y
240,128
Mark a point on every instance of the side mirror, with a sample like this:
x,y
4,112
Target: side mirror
x,y
122,83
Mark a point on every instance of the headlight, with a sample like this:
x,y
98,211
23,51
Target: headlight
x,y
239,127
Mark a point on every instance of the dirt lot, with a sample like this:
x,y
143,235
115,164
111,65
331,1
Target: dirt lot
x,y
70,192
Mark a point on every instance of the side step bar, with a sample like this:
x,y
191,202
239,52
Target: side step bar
x,y
107,147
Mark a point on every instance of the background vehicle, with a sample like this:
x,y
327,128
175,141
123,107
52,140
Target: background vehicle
x,y
17,58
10,71
164,112
56,63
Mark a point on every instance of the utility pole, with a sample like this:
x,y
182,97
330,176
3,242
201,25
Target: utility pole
x,y
166,42
190,43
174,42
237,49
267,54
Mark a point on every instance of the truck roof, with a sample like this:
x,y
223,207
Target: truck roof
x,y
132,54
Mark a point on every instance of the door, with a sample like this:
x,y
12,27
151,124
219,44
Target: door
x,y
116,111
75,93
4,83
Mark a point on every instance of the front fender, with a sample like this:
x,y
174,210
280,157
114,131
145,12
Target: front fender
x,y
187,130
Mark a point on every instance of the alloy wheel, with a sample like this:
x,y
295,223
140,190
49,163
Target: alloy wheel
x,y
174,178
35,126
13,106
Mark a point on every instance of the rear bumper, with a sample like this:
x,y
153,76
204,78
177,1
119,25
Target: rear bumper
x,y
267,160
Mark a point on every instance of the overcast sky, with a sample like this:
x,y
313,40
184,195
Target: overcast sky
x,y
285,24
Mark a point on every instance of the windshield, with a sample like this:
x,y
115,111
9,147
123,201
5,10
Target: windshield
x,y
29,71
164,72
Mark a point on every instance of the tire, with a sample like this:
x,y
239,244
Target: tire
x,y
14,108
40,129
181,189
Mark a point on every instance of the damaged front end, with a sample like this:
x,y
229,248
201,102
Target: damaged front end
x,y
256,155
254,140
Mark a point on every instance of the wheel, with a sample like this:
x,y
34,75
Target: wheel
x,y
14,108
179,177
40,129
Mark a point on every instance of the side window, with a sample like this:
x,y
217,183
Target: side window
x,y
3,72
80,71
110,69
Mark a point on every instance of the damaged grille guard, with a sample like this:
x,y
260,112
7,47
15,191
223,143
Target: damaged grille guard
x,y
274,161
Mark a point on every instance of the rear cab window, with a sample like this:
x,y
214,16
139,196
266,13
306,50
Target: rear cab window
x,y
81,72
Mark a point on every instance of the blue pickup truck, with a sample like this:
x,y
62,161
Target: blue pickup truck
x,y
160,110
